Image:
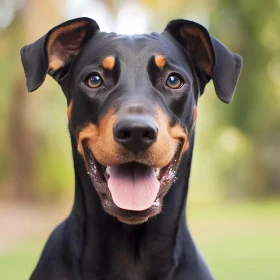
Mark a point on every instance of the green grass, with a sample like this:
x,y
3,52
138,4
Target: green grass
x,y
19,262
239,242
244,258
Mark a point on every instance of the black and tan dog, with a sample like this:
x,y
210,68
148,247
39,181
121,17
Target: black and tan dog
x,y
132,107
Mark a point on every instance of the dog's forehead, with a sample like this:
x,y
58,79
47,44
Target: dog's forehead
x,y
138,48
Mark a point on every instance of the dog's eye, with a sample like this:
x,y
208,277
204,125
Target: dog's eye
x,y
174,82
94,81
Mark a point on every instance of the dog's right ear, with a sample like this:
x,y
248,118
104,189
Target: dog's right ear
x,y
211,59
54,52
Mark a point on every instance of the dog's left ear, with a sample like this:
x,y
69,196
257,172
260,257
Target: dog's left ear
x,y
53,53
211,59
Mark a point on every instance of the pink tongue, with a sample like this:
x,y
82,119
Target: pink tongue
x,y
133,186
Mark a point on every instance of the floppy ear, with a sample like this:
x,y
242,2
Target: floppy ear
x,y
54,52
211,59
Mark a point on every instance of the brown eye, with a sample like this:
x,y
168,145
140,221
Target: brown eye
x,y
174,82
94,81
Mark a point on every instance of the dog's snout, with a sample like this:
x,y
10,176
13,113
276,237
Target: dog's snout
x,y
135,133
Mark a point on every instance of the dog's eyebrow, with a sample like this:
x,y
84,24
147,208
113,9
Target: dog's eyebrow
x,y
108,62
160,61
167,62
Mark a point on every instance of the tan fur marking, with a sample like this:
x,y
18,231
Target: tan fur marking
x,y
160,61
55,64
108,62
69,110
100,139
90,132
179,133
176,134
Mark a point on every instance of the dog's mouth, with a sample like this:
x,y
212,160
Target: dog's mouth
x,y
131,191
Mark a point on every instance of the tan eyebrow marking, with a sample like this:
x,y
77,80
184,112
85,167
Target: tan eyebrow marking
x,y
160,61
108,62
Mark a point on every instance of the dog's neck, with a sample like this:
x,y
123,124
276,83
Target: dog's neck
x,y
99,234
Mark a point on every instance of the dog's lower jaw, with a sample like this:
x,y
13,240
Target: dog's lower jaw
x,y
132,221
101,175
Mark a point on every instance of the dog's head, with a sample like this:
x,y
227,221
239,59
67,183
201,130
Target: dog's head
x,y
132,102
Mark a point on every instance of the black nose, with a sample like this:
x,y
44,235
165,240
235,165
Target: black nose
x,y
135,133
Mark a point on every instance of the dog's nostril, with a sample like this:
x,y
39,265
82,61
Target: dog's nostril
x,y
124,134
150,134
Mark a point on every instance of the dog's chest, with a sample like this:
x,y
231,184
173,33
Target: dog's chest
x,y
122,264
145,266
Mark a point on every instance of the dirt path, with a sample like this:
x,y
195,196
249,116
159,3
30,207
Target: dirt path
x,y
20,222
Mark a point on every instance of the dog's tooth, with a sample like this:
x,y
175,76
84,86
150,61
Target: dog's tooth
x,y
108,170
156,203
157,172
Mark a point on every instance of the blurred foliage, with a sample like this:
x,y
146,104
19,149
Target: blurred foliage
x,y
237,147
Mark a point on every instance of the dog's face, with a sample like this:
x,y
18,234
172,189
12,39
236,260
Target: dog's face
x,y
132,107
132,103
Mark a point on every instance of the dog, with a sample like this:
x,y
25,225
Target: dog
x,y
132,110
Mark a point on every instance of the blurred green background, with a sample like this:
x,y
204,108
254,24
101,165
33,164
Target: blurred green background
x,y
233,209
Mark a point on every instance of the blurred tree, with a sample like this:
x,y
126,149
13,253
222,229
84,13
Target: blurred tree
x,y
251,28
28,23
